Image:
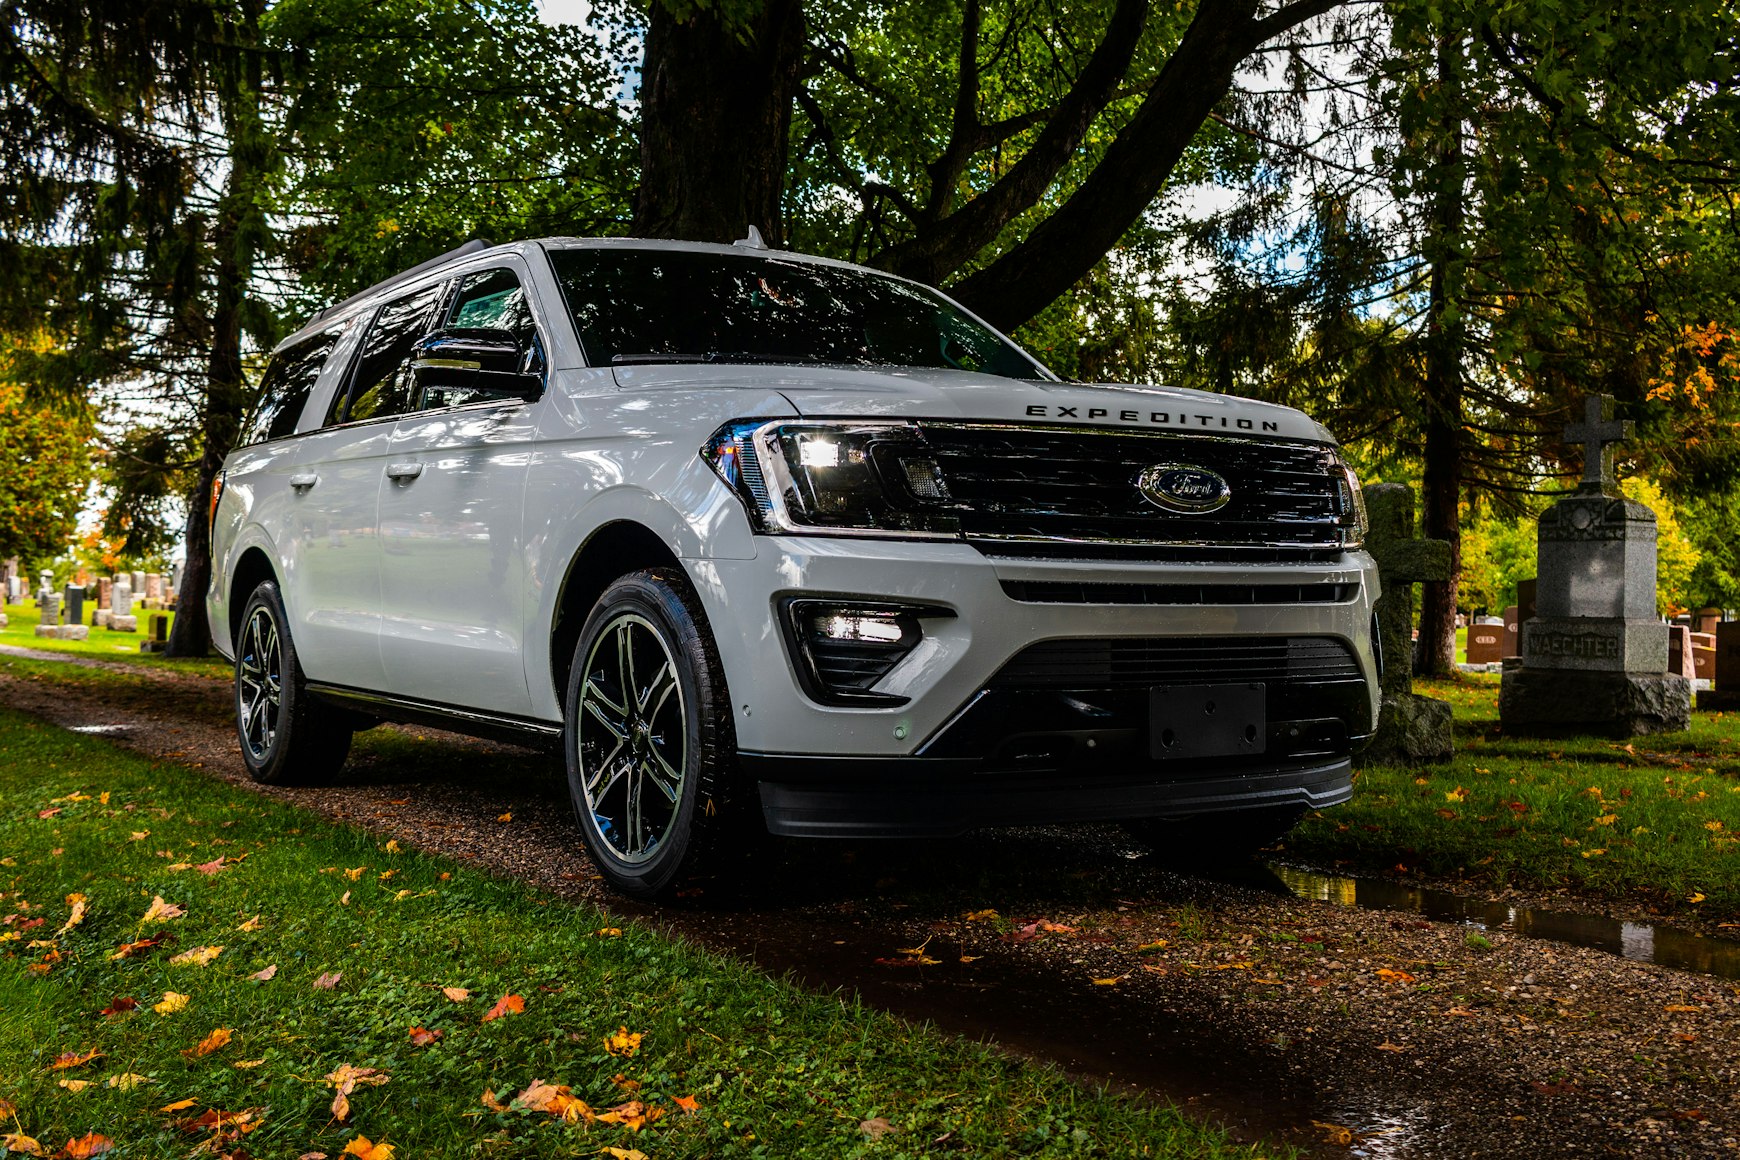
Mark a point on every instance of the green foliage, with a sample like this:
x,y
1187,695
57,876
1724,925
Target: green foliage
x,y
1497,552
1676,557
45,472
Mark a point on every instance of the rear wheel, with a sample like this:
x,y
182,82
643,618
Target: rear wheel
x,y
650,748
1214,839
287,738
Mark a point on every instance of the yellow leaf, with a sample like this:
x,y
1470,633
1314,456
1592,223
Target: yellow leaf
x,y
609,932
1695,897
624,1042
1111,982
245,1064
139,835
980,916
344,900
353,875
1390,976
67,1059
1680,1007
161,911
77,902
688,1103
172,1002
363,1150
20,1143
265,974
209,1044
1606,819
1594,853
75,1085
1335,1133
253,923
127,1081
392,845
623,1153
457,994
384,875
505,818
1456,795
178,1106
198,956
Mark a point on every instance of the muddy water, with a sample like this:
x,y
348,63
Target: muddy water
x,y
1642,941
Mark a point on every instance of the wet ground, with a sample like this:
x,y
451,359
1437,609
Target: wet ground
x,y
1347,1017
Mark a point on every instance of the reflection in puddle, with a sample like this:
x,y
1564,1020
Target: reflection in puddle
x,y
99,728
1643,941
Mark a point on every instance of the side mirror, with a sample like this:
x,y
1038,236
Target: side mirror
x,y
465,364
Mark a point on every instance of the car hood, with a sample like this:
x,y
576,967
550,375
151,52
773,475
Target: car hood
x,y
924,393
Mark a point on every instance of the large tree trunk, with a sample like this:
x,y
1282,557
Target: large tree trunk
x,y
237,228
716,103
1442,470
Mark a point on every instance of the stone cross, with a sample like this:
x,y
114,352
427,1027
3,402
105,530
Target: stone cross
x,y
1410,727
1598,432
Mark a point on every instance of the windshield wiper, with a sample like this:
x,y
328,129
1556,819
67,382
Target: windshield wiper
x,y
625,360
719,356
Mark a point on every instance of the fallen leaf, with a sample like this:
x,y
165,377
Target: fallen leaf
x,y
1680,1007
1111,982
624,1042
312,1156
1145,948
20,1143
198,956
356,873
506,1005
88,1145
457,994
362,1149
265,974
48,813
178,1106
623,1153
247,1064
393,843
1388,1046
501,818
253,923
172,1002
688,1103
77,903
1334,1133
209,1044
981,916
211,867
489,1101
68,1059
344,899
384,875
178,867
128,950
120,1006
161,911
127,1080
1390,976
328,980
74,1085
345,1078
423,1037
633,1115
139,835
876,1128
1461,1011
609,932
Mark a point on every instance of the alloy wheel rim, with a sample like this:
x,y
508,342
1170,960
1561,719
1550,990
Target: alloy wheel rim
x,y
259,684
632,738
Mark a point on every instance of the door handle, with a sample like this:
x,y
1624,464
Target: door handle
x,y
303,482
404,470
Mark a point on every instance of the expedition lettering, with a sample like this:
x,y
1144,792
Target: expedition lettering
x,y
1042,410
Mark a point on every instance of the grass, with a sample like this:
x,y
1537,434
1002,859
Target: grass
x,y
772,1070
20,630
1655,819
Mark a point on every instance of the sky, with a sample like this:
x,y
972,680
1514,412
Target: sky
x,y
564,11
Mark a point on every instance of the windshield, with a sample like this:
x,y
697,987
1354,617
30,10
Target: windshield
x,y
663,306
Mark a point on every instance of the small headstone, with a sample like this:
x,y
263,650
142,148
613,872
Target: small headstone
x,y
1410,727
121,597
75,603
105,591
1680,651
75,632
14,589
101,619
159,638
153,586
124,623
1706,620
1726,662
138,581
1512,641
1485,644
1704,656
1595,656
50,605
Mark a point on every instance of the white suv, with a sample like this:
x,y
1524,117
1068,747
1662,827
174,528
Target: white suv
x,y
747,532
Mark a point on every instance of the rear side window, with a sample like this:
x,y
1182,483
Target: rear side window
x,y
285,387
382,383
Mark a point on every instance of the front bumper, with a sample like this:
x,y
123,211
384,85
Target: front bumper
x,y
986,735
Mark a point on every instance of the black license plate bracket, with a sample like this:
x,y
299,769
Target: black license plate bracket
x,y
1189,721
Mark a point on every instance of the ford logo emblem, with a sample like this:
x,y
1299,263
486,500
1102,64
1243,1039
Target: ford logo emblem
x,y
1183,488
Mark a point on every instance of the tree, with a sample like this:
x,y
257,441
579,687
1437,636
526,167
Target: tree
x,y
45,472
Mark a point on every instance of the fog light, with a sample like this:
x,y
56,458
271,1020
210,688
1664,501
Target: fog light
x,y
842,650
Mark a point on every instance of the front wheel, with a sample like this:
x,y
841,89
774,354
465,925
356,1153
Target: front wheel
x,y
286,737
650,747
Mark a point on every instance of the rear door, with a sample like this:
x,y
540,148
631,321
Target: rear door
x,y
335,604
452,570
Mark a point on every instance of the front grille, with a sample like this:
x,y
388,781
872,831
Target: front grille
x,y
1114,662
1052,489
1093,592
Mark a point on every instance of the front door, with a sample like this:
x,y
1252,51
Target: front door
x,y
452,572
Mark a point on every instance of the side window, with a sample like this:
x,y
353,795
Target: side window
x,y
381,384
284,388
493,299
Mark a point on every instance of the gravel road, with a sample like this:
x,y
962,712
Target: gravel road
x,y
1342,1031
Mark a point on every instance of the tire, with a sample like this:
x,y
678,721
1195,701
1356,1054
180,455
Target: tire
x,y
1214,839
287,737
671,734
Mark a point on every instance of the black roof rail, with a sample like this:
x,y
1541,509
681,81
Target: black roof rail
x,y
474,246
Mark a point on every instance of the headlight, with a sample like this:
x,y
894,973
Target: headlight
x,y
1350,507
840,478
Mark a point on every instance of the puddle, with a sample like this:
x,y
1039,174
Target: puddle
x,y
1643,941
105,729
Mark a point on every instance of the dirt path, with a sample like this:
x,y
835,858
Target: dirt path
x,y
1340,1030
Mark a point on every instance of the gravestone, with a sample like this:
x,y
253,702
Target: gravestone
x,y
49,603
1410,727
1512,641
1594,658
1726,695
153,586
159,638
137,579
1485,643
46,584
1706,620
1703,655
1680,651
105,591
121,618
75,603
